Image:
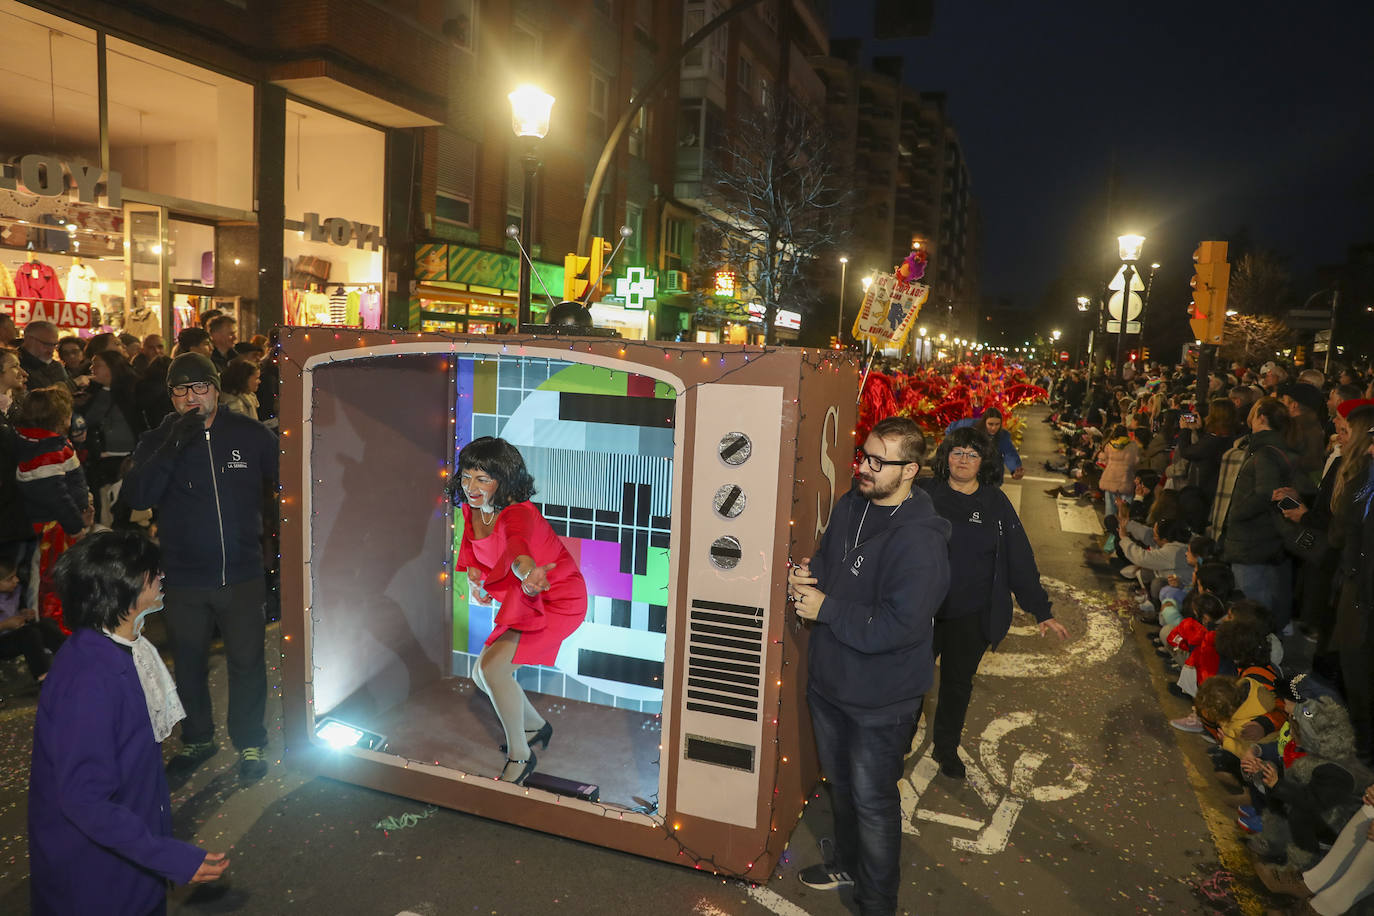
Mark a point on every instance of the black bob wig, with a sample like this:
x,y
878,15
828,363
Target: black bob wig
x,y
502,461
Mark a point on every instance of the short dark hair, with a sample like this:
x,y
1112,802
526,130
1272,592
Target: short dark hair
x,y
1202,547
502,461
46,408
1216,577
99,577
1273,411
234,379
911,442
220,321
1172,530
990,459
191,337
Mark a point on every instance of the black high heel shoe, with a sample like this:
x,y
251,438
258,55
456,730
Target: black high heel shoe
x,y
529,766
540,737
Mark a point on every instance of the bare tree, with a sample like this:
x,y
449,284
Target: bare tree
x,y
774,204
1259,285
1252,339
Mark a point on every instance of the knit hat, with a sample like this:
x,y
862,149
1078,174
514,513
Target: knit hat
x,y
192,367
1345,407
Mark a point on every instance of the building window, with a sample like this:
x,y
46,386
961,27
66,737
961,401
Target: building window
x,y
639,129
460,23
526,42
692,22
718,41
598,103
456,182
675,235
746,73
765,94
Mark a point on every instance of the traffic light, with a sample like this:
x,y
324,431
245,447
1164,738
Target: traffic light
x,y
576,277
1211,279
601,250
582,276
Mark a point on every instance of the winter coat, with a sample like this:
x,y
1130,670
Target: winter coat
x,y
1251,533
871,651
100,820
51,481
208,496
1119,464
1014,571
1171,558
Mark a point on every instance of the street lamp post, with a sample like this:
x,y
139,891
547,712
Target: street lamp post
x,y
1083,307
1128,246
530,110
839,320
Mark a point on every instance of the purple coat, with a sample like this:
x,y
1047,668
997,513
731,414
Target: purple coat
x,y
100,821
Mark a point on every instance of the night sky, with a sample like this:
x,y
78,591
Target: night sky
x,y
1221,120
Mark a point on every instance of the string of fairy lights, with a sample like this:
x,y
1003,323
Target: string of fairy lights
x,y
384,346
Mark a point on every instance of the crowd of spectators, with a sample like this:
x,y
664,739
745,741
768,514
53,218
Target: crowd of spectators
x,y
1244,521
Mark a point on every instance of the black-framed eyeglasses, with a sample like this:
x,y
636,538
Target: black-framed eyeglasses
x,y
960,454
875,462
181,391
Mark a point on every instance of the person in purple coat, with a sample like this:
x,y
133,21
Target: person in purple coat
x,y
100,821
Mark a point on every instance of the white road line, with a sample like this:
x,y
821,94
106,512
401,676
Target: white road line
x,y
1059,480
1076,519
775,902
1102,637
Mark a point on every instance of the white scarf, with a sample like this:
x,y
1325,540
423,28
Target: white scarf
x,y
159,689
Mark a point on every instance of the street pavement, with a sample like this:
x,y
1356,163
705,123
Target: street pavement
x,y
1081,799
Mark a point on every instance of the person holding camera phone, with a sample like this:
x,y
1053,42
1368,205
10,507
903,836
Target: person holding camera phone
x,y
1203,442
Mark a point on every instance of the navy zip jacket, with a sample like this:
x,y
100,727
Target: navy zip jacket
x,y
1013,572
871,646
209,524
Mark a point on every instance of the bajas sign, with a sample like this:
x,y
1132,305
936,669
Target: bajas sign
x,y
60,312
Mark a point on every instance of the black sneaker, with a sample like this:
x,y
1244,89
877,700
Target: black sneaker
x,y
189,759
824,877
252,763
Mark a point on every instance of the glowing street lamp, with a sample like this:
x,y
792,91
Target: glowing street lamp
x,y
531,108
839,320
1128,246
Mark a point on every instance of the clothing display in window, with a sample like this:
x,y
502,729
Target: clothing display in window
x,y
354,303
6,281
36,280
81,283
338,306
370,309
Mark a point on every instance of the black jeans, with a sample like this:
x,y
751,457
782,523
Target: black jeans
x,y
28,642
862,764
192,614
959,645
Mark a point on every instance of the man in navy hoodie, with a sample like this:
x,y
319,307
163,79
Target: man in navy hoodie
x,y
204,469
880,573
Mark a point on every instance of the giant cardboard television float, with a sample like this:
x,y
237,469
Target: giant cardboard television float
x,y
681,477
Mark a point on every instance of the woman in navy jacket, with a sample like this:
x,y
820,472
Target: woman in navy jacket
x,y
987,545
100,821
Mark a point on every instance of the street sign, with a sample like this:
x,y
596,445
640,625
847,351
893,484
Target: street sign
x,y
1132,327
1308,319
1063,356
1321,342
1114,306
1119,280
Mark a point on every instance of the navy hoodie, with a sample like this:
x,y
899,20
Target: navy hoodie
x,y
209,524
871,645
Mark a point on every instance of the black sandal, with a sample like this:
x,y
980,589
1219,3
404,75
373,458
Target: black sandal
x,y
524,774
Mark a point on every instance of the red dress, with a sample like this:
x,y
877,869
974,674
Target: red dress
x,y
544,620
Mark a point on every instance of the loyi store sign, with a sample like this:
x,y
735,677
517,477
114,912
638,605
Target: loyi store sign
x,y
48,176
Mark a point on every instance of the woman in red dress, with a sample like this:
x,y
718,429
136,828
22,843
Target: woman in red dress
x,y
511,554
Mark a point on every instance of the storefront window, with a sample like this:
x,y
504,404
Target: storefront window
x,y
177,130
334,199
48,105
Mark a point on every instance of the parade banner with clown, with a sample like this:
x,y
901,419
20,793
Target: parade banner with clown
x,y
892,302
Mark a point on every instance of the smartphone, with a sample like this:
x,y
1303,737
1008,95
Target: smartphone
x,y
1289,502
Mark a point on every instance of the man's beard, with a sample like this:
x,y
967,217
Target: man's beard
x,y
876,491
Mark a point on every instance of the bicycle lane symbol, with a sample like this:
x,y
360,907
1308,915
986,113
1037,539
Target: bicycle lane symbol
x,y
1004,794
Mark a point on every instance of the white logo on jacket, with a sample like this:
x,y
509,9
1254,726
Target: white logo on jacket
x,y
858,561
975,519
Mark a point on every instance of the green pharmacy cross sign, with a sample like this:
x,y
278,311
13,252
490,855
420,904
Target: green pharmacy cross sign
x,y
635,288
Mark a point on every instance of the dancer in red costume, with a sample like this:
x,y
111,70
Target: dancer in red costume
x,y
511,554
